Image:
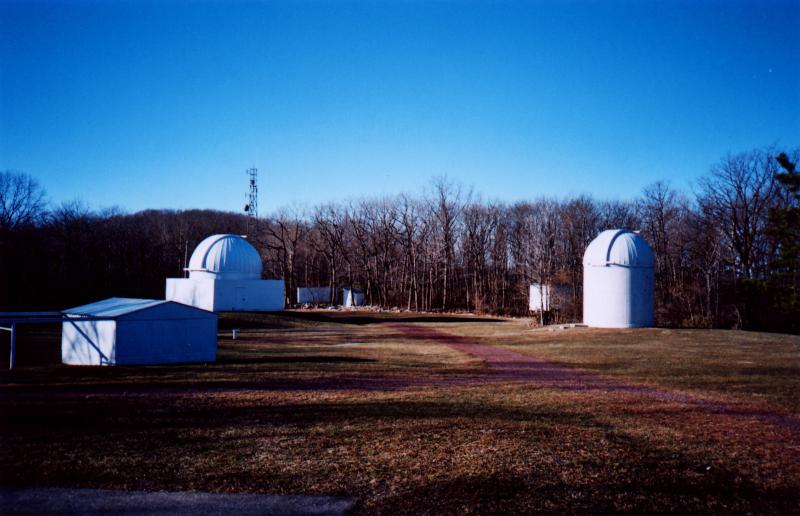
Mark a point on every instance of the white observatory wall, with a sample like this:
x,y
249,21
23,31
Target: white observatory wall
x,y
192,292
643,287
227,295
249,295
87,342
616,296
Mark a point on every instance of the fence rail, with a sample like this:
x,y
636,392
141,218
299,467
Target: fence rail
x,y
14,319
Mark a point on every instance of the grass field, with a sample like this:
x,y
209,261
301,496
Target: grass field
x,y
429,414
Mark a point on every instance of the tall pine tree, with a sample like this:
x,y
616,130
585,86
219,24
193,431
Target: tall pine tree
x,y
784,230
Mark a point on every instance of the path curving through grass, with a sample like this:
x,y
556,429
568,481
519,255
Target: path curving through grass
x,y
506,365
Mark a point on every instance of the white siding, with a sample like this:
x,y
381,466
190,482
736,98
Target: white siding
x,y
165,333
539,298
352,297
253,296
166,341
88,342
192,292
314,295
228,295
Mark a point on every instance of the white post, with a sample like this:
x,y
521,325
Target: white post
x,y
12,358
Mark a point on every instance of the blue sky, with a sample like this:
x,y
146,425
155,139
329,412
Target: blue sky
x,y
166,104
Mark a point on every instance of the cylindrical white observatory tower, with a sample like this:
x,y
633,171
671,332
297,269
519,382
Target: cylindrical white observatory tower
x,y
618,281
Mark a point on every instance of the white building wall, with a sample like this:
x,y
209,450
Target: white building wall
x,y
616,296
192,292
249,295
165,334
227,295
88,342
539,298
352,297
166,341
314,295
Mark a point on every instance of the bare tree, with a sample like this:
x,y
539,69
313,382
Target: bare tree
x,y
22,200
442,250
480,223
663,214
580,222
737,195
331,220
449,202
283,236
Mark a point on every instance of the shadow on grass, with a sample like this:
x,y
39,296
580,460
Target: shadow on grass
x,y
112,415
647,478
659,488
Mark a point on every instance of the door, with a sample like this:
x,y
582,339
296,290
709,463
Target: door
x,y
240,299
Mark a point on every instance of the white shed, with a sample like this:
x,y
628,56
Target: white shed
x,y
123,331
225,275
352,297
618,281
539,298
547,297
314,295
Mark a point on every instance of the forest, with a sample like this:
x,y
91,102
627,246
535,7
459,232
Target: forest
x,y
727,253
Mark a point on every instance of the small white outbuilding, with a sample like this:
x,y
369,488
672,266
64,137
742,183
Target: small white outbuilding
x,y
618,281
352,297
225,275
314,295
547,297
539,298
124,331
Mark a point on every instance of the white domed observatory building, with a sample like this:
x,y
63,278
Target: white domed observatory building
x,y
618,279
225,275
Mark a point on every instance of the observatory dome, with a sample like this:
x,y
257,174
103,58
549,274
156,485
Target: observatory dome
x,y
618,247
228,257
618,281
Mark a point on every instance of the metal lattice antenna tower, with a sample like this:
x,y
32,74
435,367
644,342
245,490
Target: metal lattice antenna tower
x,y
251,208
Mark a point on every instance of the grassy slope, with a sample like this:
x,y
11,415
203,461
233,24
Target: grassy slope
x,y
261,421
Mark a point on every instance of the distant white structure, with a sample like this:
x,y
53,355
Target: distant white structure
x,y
138,332
225,275
539,298
353,297
544,297
314,295
618,281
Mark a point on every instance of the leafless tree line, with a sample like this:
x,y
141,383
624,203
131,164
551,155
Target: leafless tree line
x,y
445,249
448,250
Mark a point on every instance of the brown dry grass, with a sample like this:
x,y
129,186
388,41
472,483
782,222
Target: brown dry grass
x,y
314,404
755,365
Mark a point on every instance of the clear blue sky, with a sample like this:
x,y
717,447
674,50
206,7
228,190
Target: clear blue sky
x,y
165,104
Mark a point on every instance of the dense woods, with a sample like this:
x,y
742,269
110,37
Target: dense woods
x,y
727,253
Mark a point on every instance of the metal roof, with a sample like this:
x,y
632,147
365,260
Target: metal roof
x,y
114,307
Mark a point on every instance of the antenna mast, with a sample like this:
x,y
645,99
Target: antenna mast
x,y
251,208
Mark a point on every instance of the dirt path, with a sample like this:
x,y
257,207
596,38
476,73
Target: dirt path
x,y
105,501
510,366
503,366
